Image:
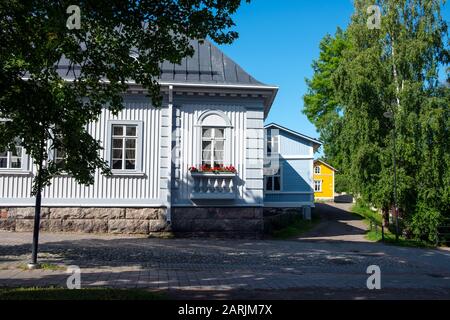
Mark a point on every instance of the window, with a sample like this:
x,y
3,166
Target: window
x,y
272,145
59,156
317,185
59,153
213,146
317,169
12,159
273,183
124,143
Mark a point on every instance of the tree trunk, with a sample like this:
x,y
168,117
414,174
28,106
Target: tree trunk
x,y
37,208
385,217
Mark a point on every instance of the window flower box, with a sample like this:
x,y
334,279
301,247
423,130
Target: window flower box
x,y
217,170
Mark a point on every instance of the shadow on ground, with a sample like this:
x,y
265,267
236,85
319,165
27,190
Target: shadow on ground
x,y
337,223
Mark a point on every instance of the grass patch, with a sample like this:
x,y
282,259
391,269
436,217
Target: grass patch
x,y
389,237
367,213
297,228
82,294
45,266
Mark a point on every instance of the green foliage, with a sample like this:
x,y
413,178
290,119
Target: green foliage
x,y
393,69
374,219
364,211
341,183
389,238
425,222
119,41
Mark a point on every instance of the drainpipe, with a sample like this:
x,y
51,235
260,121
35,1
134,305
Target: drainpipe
x,y
169,191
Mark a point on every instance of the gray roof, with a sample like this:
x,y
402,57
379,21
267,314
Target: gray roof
x,y
208,65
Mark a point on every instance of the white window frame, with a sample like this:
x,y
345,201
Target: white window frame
x,y
320,182
212,140
52,153
273,141
23,161
138,170
273,181
55,156
315,171
221,121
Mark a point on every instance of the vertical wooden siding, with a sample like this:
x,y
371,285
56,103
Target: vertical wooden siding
x,y
105,190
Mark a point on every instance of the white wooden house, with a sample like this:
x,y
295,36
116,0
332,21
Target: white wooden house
x,y
212,114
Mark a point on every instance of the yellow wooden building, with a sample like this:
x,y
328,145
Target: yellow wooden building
x,y
323,180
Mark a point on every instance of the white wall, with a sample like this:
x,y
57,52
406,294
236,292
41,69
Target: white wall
x,y
106,191
245,153
153,188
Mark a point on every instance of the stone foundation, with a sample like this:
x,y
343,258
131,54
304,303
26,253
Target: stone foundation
x,y
87,220
240,222
305,212
186,222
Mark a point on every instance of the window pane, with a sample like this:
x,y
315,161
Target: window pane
x,y
4,154
207,133
117,164
59,163
276,184
17,152
60,153
219,133
130,143
131,131
118,130
117,143
275,145
219,145
206,145
130,154
206,155
130,164
269,147
3,162
117,154
269,184
317,185
16,162
218,156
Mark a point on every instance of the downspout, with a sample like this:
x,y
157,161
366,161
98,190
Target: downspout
x,y
169,190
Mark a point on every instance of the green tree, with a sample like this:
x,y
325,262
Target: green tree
x,y
392,69
321,104
118,41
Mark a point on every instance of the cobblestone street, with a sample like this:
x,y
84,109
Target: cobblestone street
x,y
222,265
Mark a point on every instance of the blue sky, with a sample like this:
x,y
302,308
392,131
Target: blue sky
x,y
278,40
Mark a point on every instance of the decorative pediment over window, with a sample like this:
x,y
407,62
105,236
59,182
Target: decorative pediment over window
x,y
214,118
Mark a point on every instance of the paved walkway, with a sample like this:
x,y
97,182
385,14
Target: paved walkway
x,y
283,269
336,224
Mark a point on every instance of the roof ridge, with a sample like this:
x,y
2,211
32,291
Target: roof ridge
x,y
293,132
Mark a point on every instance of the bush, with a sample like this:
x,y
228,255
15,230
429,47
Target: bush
x,y
425,222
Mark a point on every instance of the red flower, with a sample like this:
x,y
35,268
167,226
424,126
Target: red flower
x,y
216,169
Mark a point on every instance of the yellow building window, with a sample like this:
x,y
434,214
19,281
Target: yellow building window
x,y
317,185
